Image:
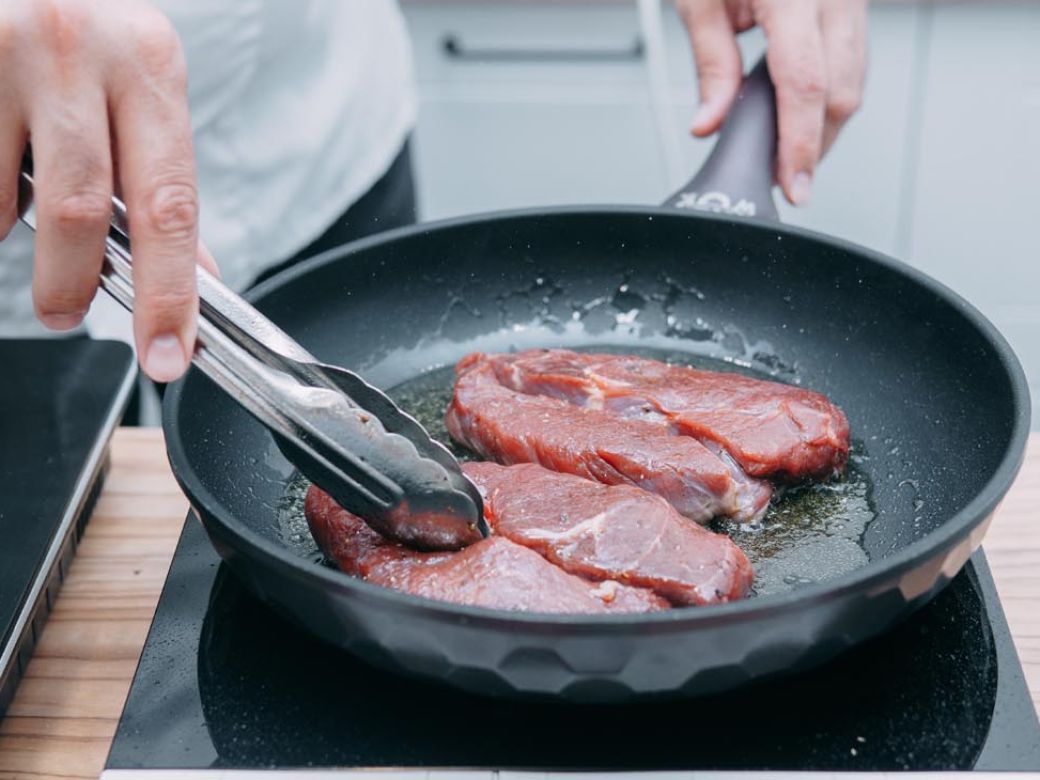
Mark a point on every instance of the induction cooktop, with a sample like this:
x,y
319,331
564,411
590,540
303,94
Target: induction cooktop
x,y
225,683
60,401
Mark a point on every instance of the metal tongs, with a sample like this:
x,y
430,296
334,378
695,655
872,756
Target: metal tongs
x,y
343,434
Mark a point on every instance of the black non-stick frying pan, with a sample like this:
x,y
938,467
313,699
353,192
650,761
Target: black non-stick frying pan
x,y
937,403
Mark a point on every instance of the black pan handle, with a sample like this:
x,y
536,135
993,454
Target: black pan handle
x,y
737,177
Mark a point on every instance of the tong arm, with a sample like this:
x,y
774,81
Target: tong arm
x,y
343,433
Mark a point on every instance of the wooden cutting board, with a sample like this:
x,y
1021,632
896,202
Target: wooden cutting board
x,y
65,712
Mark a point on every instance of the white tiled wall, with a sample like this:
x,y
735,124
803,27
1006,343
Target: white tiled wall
x,y
940,168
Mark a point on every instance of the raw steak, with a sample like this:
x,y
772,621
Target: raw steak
x,y
617,533
494,572
771,429
513,427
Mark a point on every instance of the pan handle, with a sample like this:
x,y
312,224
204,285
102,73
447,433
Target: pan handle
x,y
737,177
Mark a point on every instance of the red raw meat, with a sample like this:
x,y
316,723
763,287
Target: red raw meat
x,y
616,533
494,572
771,429
513,427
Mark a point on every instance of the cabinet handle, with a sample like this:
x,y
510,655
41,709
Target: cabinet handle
x,y
454,49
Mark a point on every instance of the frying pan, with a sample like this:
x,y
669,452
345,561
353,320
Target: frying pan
x,y
936,400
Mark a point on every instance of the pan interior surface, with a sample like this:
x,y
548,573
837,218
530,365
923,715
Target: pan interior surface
x,y
933,406
811,533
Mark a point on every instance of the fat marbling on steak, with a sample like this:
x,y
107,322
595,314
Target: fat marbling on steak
x,y
772,429
619,533
511,427
560,543
494,573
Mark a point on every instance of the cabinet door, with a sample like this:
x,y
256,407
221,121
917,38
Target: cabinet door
x,y
531,105
504,127
485,155
977,204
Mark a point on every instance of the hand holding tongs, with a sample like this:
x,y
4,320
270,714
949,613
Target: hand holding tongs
x,y
343,434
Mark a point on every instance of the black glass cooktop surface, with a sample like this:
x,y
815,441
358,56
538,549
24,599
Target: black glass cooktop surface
x,y
226,683
60,400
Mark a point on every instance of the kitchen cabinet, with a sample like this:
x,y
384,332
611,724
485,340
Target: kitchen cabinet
x,y
536,106
550,104
976,203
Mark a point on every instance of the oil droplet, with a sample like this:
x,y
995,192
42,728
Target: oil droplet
x,y
797,579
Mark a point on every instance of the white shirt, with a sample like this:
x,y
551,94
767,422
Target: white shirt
x,y
297,107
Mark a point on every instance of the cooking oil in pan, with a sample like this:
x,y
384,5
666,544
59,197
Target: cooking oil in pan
x,y
809,534
292,523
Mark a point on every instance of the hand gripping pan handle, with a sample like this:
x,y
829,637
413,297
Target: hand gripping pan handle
x,y
737,177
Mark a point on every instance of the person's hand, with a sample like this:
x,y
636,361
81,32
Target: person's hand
x,y
97,87
817,53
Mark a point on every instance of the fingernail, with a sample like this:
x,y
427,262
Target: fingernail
x,y
165,360
700,116
801,188
62,321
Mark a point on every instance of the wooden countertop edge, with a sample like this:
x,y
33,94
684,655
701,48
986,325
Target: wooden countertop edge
x,y
65,712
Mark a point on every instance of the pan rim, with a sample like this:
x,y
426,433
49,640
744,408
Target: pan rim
x,y
935,543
